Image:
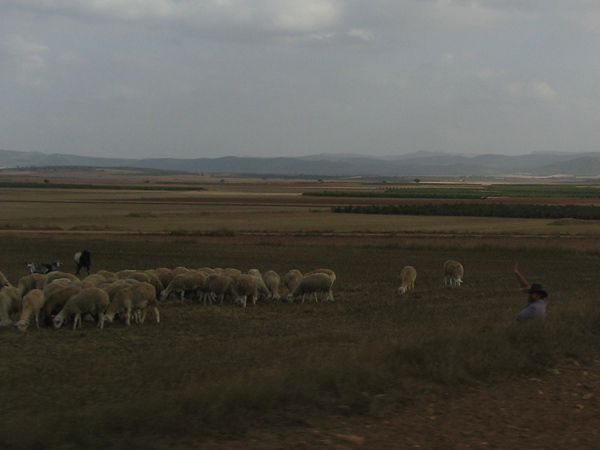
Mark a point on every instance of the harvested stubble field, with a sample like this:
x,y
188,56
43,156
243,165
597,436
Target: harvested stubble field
x,y
260,377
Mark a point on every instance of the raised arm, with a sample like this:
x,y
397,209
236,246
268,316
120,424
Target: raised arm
x,y
522,280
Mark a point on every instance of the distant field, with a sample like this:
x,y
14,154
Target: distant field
x,y
469,191
245,207
216,373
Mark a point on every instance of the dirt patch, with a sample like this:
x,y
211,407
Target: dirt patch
x,y
561,410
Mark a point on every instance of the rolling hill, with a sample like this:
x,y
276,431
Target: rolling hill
x,y
416,164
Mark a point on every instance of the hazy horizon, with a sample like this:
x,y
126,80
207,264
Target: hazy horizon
x,y
296,78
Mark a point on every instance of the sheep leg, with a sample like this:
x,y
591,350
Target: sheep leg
x,y
157,314
143,316
77,320
101,320
128,316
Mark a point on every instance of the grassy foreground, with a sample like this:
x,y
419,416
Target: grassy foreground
x,y
211,373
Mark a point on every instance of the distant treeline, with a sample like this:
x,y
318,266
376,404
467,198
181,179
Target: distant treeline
x,y
9,184
470,192
582,212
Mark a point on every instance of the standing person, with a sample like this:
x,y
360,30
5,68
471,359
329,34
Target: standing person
x,y
536,309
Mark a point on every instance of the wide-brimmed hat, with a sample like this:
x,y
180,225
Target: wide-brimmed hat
x,y
536,288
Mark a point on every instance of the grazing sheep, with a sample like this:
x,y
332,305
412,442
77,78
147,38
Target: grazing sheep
x,y
139,276
95,279
263,290
272,281
219,287
112,288
192,281
28,283
164,275
56,295
155,281
32,306
453,273
50,277
38,267
10,303
83,259
125,273
229,272
312,284
327,271
291,279
110,276
255,273
88,301
408,275
3,281
247,287
139,296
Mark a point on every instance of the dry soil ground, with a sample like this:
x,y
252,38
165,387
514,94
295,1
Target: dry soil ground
x,y
560,410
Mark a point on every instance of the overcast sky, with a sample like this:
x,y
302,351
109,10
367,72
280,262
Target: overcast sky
x,y
193,78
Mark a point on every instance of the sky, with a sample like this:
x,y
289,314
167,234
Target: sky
x,y
264,78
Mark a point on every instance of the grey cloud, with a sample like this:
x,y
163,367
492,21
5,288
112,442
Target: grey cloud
x,y
277,77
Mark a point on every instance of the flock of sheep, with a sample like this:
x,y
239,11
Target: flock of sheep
x,y
58,297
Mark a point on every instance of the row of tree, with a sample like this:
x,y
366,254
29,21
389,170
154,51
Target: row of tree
x,y
524,211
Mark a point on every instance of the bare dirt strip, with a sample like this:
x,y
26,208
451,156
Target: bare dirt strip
x,y
557,411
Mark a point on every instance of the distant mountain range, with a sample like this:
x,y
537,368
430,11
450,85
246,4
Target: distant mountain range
x,y
413,165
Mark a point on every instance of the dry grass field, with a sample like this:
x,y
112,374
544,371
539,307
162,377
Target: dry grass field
x,y
212,376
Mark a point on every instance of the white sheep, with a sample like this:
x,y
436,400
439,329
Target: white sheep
x,y
96,279
51,276
327,271
255,273
263,290
125,273
272,281
312,284
247,286
408,275
291,279
138,296
56,295
3,281
110,276
28,283
33,302
164,274
135,275
230,272
182,283
218,286
88,301
10,303
112,288
453,273
155,281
